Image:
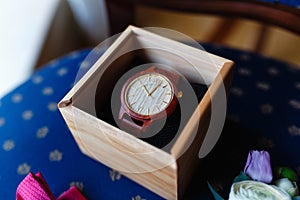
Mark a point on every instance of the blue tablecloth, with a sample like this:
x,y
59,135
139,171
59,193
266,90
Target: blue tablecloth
x,y
264,105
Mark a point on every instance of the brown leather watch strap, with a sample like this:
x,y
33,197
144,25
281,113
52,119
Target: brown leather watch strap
x,y
174,77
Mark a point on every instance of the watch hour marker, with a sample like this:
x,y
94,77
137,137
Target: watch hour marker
x,y
140,109
157,108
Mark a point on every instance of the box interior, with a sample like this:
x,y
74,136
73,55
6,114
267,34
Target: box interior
x,y
95,95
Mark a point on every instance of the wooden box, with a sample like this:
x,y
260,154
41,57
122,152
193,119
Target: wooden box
x,y
165,172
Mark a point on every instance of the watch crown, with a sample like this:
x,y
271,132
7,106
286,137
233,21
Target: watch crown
x,y
179,94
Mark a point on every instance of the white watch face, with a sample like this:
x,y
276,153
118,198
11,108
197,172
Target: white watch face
x,y
149,94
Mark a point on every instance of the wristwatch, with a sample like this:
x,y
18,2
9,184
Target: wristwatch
x,y
146,97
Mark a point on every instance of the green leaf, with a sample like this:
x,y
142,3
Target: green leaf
x,y
241,177
286,172
215,194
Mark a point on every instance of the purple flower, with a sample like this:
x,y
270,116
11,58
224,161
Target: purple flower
x,y
258,166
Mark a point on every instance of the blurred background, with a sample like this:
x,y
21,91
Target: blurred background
x,y
34,32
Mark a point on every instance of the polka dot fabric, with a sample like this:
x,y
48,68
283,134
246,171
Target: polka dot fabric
x,y
263,114
264,100
34,137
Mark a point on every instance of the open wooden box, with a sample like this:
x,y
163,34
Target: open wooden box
x,y
166,173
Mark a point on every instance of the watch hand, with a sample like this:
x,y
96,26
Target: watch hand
x,y
144,87
155,87
146,90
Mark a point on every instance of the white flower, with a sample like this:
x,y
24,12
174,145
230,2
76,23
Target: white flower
x,y
27,115
52,106
37,79
55,155
23,169
288,186
74,54
245,57
245,71
237,91
295,104
273,71
266,108
137,197
42,132
254,190
53,63
263,86
47,91
2,121
294,130
297,85
17,98
8,145
114,175
62,71
79,185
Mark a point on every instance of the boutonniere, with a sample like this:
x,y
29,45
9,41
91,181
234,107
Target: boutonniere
x,y
259,182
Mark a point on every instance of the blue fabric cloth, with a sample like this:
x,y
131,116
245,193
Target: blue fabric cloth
x,y
265,98
293,3
263,113
264,107
34,137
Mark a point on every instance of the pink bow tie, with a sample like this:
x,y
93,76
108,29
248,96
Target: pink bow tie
x,y
35,187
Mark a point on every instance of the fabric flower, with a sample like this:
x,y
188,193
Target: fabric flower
x,y
35,187
288,186
254,190
258,166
